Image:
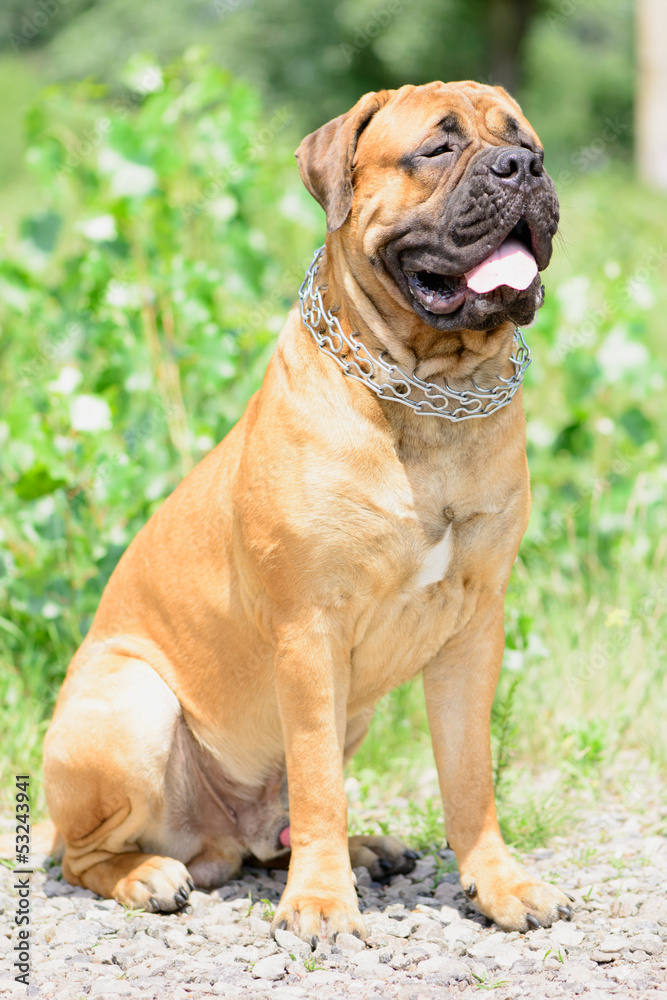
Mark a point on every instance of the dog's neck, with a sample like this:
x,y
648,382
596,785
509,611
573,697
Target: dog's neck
x,y
462,358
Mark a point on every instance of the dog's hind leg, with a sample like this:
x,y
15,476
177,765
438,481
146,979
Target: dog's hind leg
x,y
105,758
382,856
137,880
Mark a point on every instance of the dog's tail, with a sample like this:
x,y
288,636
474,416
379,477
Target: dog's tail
x,y
45,841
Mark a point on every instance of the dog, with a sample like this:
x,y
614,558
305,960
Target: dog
x,y
356,528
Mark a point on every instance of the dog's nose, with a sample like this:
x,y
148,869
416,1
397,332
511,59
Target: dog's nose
x,y
517,165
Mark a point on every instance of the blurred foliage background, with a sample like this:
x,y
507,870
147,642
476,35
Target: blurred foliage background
x,y
154,234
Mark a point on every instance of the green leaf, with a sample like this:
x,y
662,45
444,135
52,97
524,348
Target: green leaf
x,y
11,628
42,230
638,428
37,482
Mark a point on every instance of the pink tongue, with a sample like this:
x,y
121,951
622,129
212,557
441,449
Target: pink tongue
x,y
511,264
284,837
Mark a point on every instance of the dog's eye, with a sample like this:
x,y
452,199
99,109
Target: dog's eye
x,y
445,148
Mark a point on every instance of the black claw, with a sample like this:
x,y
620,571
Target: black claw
x,y
409,853
385,865
532,921
191,885
180,897
282,926
471,891
565,911
152,904
356,934
313,942
571,898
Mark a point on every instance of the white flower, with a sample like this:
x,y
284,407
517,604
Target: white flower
x,y
121,293
642,293
63,444
513,660
67,381
44,508
618,355
294,207
101,228
573,297
539,434
127,177
148,80
604,426
138,381
89,413
156,488
204,442
223,208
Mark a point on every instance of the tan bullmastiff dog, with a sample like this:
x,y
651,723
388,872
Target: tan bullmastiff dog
x,y
355,529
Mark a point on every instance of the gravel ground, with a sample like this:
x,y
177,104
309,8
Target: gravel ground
x,y
423,938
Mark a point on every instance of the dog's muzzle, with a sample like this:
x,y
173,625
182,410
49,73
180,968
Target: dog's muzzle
x,y
476,263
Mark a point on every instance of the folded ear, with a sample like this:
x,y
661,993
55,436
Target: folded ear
x,y
325,158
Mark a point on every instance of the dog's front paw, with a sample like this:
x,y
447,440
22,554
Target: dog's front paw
x,y
318,917
382,856
157,884
513,900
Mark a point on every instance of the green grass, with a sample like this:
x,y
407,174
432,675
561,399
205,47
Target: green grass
x,y
482,983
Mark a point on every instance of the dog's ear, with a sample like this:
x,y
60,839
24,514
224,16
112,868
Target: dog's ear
x,y
325,158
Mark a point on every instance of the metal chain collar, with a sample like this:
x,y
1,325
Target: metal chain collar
x,y
362,366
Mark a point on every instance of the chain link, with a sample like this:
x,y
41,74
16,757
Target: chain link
x,y
396,385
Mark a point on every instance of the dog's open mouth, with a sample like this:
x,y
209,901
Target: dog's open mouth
x,y
511,264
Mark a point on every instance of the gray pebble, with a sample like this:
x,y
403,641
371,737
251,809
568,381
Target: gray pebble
x,y
349,943
292,944
613,944
270,968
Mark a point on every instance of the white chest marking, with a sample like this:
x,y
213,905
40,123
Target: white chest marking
x,y
434,566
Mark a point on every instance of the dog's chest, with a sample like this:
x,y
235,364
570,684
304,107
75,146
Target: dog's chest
x,y
432,568
438,551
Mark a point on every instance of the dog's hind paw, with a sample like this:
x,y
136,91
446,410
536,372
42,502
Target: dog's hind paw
x,y
159,885
382,856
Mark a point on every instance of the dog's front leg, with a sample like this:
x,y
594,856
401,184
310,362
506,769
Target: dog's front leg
x,y
312,676
459,686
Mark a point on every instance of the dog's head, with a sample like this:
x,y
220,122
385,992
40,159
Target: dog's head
x,y
442,190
